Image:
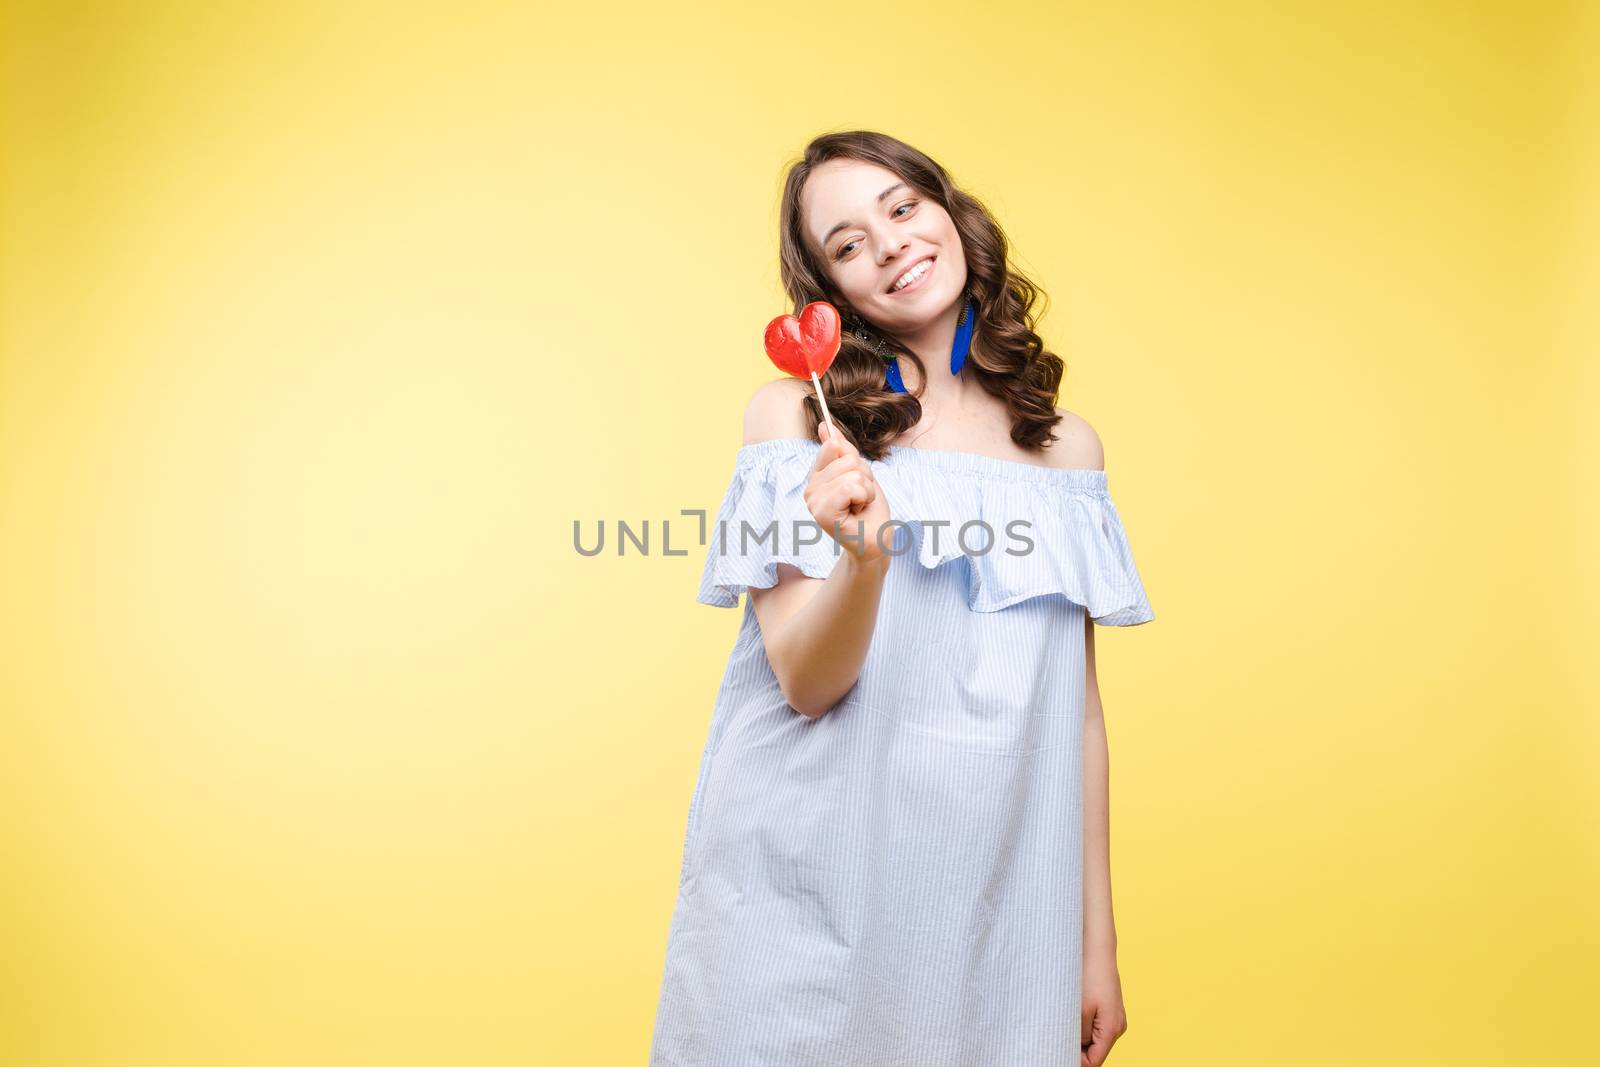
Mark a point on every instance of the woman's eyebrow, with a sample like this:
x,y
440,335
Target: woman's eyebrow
x,y
881,196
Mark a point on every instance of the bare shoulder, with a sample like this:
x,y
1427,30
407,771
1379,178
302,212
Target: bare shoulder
x,y
777,410
1076,444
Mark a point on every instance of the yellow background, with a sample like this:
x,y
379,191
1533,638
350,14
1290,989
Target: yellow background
x,y
323,323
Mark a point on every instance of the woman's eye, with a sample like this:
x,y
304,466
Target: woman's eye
x,y
844,249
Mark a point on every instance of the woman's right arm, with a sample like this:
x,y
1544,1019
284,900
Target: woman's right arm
x,y
817,630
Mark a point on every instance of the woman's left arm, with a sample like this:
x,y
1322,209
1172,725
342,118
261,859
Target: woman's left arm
x,y
1103,1017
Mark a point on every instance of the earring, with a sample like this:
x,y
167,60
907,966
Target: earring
x,y
891,377
866,336
959,349
964,325
891,371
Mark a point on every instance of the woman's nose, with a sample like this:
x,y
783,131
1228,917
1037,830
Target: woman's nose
x,y
890,246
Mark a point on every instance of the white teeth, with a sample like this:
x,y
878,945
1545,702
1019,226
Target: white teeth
x,y
913,274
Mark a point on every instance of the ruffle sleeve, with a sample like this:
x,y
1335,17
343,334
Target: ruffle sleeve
x,y
1019,530
1111,587
763,521
1045,531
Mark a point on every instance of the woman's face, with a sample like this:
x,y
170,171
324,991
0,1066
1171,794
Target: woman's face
x,y
868,228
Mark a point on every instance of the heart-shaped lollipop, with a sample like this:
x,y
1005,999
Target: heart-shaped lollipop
x,y
805,346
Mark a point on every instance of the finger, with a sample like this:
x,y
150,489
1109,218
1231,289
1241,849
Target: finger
x,y
836,504
837,491
856,494
852,479
829,451
1096,1049
837,468
826,433
852,494
844,445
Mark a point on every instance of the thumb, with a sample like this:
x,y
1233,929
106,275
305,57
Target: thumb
x,y
1092,1049
845,446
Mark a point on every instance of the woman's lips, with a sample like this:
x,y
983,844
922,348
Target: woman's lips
x,y
933,264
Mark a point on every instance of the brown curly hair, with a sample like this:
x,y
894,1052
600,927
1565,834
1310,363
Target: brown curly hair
x,y
1007,358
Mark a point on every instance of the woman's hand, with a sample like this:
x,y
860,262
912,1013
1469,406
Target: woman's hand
x,y
1103,1019
845,500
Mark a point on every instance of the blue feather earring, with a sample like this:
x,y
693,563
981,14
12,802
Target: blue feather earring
x,y
958,349
963,342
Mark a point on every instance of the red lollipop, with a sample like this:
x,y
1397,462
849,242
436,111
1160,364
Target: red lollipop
x,y
806,346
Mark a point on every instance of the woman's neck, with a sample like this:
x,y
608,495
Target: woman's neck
x,y
954,407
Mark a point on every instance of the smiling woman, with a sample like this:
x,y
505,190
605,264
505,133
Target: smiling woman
x,y
890,856
862,210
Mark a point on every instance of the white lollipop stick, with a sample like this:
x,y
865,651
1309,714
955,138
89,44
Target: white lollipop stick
x,y
827,418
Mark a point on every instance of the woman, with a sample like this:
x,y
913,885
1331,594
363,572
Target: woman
x,y
897,849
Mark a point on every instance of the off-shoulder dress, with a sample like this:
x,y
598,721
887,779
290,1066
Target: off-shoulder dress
x,y
899,880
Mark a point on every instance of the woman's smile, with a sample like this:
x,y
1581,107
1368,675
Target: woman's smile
x,y
918,282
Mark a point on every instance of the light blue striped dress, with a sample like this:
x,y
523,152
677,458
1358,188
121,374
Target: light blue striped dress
x,y
898,883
